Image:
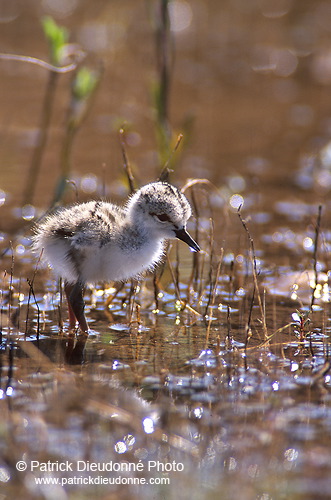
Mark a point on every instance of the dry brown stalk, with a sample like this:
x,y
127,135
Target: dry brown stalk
x,y
126,164
254,267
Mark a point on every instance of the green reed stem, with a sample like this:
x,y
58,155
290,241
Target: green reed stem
x,y
36,160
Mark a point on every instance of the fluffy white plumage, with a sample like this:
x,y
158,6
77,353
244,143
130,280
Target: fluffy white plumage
x,y
99,241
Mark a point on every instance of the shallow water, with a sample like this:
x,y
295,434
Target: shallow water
x,y
223,390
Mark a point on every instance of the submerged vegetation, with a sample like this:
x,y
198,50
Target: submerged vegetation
x,y
213,374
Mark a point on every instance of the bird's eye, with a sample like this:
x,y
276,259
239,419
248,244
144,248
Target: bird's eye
x,y
161,217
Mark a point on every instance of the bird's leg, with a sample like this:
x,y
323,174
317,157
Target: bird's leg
x,y
72,318
74,294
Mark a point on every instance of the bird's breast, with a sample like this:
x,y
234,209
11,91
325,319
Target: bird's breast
x,y
116,263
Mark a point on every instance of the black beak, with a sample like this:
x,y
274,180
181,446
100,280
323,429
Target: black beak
x,y
183,235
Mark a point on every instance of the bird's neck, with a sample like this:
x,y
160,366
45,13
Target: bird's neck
x,y
135,233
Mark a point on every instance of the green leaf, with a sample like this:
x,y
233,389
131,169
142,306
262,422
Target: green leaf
x,y
84,83
57,37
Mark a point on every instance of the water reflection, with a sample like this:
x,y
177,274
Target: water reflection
x,y
74,351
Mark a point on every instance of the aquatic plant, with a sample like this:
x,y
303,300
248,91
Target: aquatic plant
x,y
59,52
83,88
